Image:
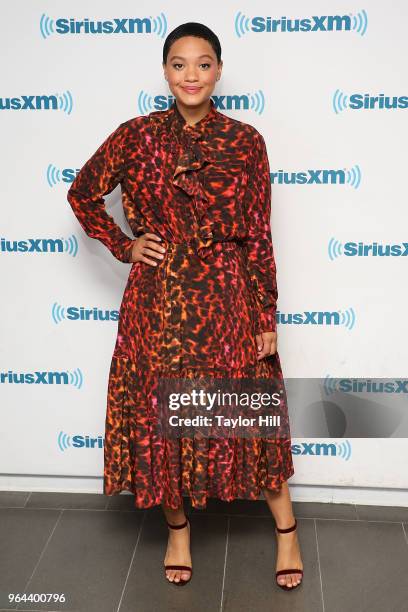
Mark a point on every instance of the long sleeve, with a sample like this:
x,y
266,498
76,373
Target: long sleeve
x,y
260,256
98,177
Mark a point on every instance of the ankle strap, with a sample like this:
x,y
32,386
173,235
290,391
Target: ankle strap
x,y
177,526
288,529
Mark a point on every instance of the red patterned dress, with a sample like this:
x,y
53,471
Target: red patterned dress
x,y
205,190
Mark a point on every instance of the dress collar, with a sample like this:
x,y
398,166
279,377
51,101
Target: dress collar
x,y
181,125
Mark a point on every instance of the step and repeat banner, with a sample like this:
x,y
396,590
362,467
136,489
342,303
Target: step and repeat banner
x,y
327,86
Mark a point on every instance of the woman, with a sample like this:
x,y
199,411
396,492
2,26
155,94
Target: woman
x,y
200,299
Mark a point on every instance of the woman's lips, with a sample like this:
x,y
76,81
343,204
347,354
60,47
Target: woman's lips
x,y
192,89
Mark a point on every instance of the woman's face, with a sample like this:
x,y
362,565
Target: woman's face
x,y
192,70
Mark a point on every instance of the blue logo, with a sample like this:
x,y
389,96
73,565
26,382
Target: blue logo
x,y
356,101
335,317
63,102
252,101
341,450
325,23
128,25
54,175
41,245
66,441
360,249
363,385
350,177
65,377
80,313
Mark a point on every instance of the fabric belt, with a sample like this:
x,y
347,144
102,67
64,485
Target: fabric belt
x,y
191,247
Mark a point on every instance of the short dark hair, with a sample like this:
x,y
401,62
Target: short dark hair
x,y
192,28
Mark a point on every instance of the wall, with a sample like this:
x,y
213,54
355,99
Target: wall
x,y
337,153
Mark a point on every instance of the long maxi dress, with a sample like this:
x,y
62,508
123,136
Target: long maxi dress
x,y
205,190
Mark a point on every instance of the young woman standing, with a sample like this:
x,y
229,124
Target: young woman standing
x,y
200,300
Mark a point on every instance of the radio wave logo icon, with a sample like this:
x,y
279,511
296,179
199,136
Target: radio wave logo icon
x,y
160,25
340,101
58,313
344,450
53,175
241,24
359,22
330,385
65,102
335,249
46,26
145,103
64,441
71,245
75,378
257,102
353,176
347,318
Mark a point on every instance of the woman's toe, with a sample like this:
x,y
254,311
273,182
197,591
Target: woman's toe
x,y
170,575
282,579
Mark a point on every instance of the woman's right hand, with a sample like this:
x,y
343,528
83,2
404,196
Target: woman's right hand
x,y
147,244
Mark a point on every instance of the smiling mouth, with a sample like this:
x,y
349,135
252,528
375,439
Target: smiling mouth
x,y
191,89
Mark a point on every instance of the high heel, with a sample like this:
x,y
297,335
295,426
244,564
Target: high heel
x,y
181,582
289,570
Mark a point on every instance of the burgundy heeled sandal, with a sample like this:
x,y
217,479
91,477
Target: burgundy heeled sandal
x,y
290,570
181,582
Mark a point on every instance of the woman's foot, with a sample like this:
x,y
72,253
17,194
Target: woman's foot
x,y
288,556
178,552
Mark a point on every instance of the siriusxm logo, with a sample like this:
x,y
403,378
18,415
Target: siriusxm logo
x,y
323,23
254,102
118,25
65,377
350,177
41,102
362,249
40,245
65,441
80,313
341,450
364,385
336,317
358,101
55,175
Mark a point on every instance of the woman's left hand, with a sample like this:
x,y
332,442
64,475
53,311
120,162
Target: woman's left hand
x,y
266,343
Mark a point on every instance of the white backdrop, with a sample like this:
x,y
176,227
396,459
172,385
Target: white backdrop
x,y
338,177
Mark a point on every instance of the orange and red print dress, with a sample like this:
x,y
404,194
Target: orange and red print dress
x,y
205,190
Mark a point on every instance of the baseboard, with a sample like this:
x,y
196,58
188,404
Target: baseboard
x,y
369,496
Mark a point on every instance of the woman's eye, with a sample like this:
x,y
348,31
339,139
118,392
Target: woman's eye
x,y
176,65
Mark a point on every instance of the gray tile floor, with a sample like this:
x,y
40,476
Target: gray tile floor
x,y
102,554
